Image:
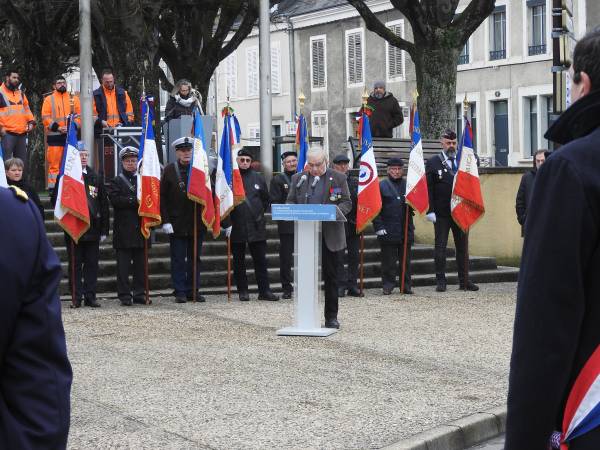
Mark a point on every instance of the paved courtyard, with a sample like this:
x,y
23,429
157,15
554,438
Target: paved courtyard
x,y
214,375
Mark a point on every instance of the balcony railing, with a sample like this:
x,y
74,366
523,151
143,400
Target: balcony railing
x,y
463,59
537,49
497,54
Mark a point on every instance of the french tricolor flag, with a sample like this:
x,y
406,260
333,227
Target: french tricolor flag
x,y
466,203
199,189
301,141
235,133
3,182
369,195
148,172
71,209
417,195
582,411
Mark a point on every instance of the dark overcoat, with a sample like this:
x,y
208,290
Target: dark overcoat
x,y
393,212
122,192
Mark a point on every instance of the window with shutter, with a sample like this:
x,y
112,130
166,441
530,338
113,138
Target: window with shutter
x,y
395,56
252,71
275,69
318,62
231,75
354,56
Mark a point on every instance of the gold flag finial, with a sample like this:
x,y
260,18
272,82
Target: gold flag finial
x,y
301,100
365,98
466,104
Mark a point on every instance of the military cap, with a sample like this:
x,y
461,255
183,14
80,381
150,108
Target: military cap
x,y
128,151
341,158
449,134
395,161
183,142
81,146
244,152
286,154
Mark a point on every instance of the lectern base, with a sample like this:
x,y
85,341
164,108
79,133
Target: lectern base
x,y
295,331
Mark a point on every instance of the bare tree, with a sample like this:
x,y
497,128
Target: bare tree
x,y
438,38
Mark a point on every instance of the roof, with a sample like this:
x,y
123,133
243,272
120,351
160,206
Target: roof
x,y
290,8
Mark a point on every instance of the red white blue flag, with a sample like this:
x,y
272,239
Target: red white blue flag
x,y
417,195
582,411
71,209
3,182
466,203
148,186
369,195
301,141
199,189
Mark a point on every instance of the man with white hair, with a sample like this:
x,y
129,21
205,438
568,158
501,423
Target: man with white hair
x,y
320,185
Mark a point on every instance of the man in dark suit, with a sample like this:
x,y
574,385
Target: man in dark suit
x,y
249,227
177,213
279,189
390,227
87,250
556,340
35,374
348,278
320,185
440,170
128,240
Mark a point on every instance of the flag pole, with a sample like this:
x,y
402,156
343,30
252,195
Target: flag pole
x,y
146,283
194,265
362,263
229,269
73,284
405,245
466,268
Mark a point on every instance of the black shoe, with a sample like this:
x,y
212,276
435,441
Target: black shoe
x,y
199,298
441,286
126,302
387,291
341,292
92,303
180,299
408,291
354,292
244,297
286,294
470,286
268,296
141,301
77,303
332,323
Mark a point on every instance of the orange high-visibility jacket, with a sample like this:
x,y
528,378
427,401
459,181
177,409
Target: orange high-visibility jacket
x,y
14,111
55,111
113,117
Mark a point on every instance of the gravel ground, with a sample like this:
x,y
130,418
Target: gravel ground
x,y
214,375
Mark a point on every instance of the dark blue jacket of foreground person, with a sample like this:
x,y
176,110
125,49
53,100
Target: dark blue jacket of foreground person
x,y
35,374
557,322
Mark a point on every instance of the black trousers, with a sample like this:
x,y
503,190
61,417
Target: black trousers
x,y
442,227
391,264
258,250
349,262
286,261
130,261
87,254
329,265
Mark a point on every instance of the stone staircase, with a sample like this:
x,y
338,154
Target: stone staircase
x,y
213,278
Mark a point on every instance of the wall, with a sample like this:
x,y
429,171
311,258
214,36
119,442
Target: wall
x,y
498,233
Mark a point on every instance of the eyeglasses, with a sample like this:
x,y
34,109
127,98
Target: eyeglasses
x,y
245,160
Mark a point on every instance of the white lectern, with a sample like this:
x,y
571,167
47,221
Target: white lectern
x,y
307,281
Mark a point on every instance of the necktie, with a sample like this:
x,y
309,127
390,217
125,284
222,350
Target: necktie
x,y
453,162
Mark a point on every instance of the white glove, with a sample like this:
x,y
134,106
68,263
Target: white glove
x,y
228,231
431,217
102,237
381,232
167,228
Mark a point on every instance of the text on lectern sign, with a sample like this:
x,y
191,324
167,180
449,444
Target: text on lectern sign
x,y
303,212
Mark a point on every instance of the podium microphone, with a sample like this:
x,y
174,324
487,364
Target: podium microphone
x,y
315,181
302,180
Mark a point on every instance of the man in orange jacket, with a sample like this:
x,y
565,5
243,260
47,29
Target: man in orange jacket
x,y
55,112
15,117
112,106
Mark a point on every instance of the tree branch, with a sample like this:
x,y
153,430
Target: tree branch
x,y
469,20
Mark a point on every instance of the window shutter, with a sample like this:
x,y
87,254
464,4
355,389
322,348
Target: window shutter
x,y
395,62
275,70
318,63
355,63
231,75
252,69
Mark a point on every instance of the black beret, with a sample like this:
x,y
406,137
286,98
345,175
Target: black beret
x,y
449,134
341,158
244,152
286,154
395,161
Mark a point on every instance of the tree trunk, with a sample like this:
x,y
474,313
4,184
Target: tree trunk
x,y
436,84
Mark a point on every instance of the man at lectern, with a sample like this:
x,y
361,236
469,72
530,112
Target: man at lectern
x,y
320,185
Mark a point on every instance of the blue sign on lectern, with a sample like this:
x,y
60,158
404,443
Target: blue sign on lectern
x,y
303,212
